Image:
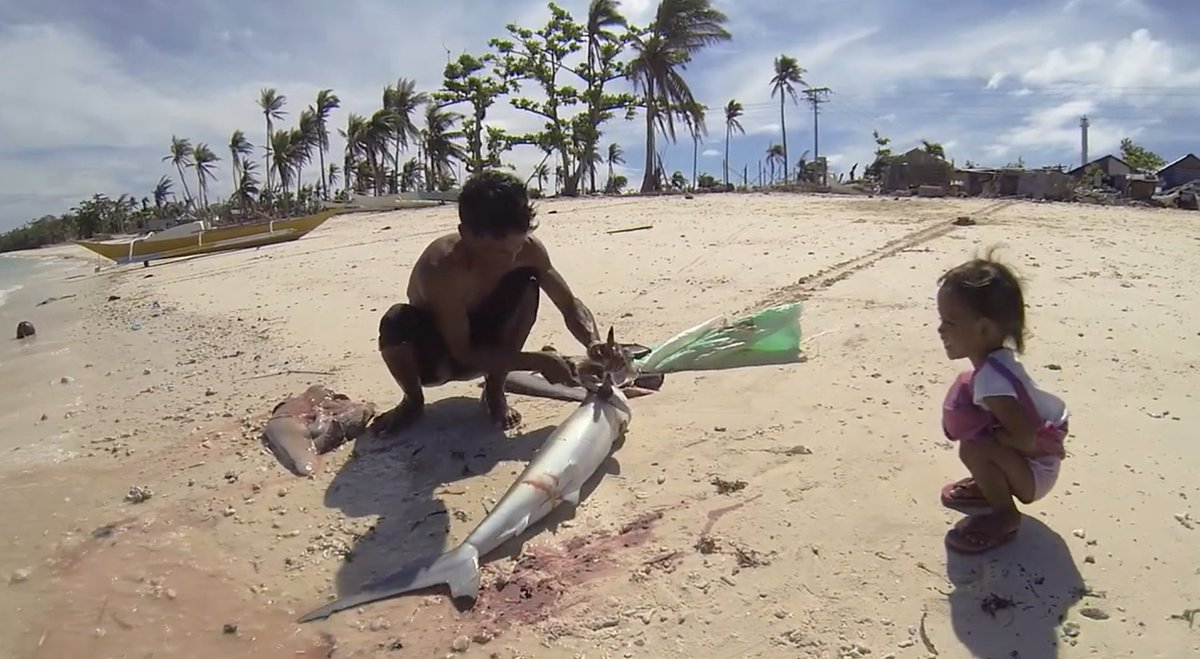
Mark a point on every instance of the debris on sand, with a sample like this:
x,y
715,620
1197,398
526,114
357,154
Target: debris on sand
x,y
1188,615
707,545
993,603
728,487
964,221
138,494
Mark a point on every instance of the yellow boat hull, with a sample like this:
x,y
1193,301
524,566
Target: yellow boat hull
x,y
208,241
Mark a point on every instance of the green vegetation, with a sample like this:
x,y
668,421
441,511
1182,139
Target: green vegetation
x,y
1140,158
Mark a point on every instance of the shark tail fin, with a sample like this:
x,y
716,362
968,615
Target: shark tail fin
x,y
457,568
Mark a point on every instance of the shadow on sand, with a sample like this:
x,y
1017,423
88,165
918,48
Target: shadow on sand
x,y
1010,601
396,478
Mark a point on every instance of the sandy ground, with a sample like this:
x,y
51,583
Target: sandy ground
x,y
833,547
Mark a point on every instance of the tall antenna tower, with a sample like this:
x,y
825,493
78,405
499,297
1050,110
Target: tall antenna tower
x,y
1083,137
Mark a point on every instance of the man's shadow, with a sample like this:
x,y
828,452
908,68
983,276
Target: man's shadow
x,y
1010,601
395,477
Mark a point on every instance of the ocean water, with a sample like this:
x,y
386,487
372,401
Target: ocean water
x,y
15,273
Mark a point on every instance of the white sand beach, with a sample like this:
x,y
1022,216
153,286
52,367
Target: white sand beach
x,y
832,547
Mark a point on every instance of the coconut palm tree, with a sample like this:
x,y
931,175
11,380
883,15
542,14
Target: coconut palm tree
x,y
181,156
162,191
271,102
934,149
247,186
283,157
380,130
308,139
403,100
788,74
439,140
775,156
603,17
353,133
680,29
327,102
733,115
615,157
240,150
541,174
203,159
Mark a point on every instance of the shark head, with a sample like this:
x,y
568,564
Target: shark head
x,y
617,369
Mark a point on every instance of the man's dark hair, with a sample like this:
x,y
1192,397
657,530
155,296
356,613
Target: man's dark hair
x,y
495,204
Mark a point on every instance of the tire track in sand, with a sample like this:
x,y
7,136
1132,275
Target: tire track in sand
x,y
823,279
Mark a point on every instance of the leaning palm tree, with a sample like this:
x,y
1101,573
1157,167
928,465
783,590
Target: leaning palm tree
x,y
354,134
271,102
680,29
380,130
240,150
162,191
775,157
327,102
308,139
440,141
934,149
615,157
283,156
788,74
246,189
203,159
733,115
603,17
403,100
181,156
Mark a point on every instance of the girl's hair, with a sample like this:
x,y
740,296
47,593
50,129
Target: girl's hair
x,y
990,289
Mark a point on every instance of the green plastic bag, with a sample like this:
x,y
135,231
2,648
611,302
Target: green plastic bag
x,y
770,336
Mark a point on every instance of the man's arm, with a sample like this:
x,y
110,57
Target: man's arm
x,y
578,317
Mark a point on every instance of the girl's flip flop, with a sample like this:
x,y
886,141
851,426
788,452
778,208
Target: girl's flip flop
x,y
977,538
964,496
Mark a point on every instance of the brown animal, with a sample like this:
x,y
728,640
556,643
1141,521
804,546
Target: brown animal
x,y
311,424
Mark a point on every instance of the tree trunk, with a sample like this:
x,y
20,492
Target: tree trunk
x,y
783,129
324,172
267,160
187,194
649,177
727,129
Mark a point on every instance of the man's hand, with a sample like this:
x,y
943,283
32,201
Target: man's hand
x,y
558,369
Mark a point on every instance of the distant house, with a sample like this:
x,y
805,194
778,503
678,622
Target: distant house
x,y
914,169
1110,165
1049,184
1183,170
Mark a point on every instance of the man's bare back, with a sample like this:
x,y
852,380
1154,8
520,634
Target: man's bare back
x,y
472,299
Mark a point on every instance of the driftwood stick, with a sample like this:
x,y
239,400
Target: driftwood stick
x,y
289,371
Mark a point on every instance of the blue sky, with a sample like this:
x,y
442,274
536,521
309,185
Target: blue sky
x,y
93,91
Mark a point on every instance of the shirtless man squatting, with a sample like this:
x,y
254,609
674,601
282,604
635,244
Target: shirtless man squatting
x,y
472,300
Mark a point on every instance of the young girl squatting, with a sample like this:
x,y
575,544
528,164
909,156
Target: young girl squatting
x,y
1009,431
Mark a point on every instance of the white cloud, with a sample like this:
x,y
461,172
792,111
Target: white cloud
x,y
112,83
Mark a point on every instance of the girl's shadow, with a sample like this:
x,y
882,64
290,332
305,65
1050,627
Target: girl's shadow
x,y
1009,602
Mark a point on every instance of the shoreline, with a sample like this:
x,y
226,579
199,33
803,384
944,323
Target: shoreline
x,y
832,546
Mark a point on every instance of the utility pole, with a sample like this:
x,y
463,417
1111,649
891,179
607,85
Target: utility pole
x,y
1083,139
695,158
816,96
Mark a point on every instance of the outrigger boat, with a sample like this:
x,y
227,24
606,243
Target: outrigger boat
x,y
197,238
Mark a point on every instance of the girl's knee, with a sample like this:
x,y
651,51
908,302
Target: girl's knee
x,y
972,451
